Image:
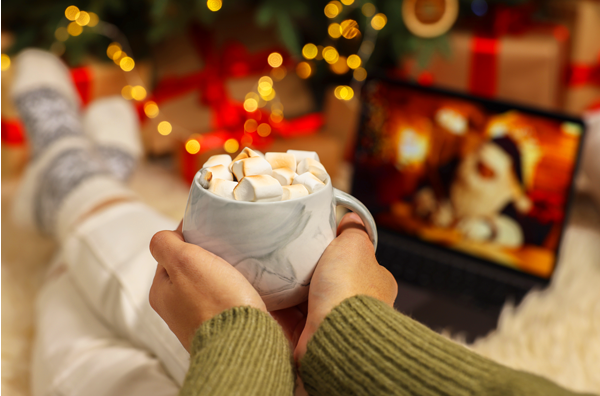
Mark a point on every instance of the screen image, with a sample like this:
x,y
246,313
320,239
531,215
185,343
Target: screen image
x,y
468,175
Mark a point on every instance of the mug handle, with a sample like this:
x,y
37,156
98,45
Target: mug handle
x,y
349,202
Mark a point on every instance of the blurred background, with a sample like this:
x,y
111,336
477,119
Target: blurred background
x,y
209,77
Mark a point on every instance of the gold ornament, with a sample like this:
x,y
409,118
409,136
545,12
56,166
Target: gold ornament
x,y
429,18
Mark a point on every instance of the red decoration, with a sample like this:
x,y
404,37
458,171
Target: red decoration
x,y
82,78
484,66
12,132
581,74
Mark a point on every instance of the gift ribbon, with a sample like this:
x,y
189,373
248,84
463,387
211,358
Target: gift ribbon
x,y
483,75
582,74
12,132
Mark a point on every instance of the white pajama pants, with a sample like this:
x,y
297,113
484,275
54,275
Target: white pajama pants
x,y
96,333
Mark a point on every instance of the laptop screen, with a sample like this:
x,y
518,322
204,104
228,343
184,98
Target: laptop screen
x,y
480,177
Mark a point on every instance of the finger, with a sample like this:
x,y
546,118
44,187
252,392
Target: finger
x,y
179,228
351,221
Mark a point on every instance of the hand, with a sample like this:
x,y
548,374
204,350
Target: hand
x,y
192,285
347,268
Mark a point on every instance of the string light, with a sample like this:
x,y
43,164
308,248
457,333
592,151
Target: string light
x,y
263,130
5,62
368,10
74,29
268,97
330,55
250,125
164,128
359,74
231,145
276,117
250,105
339,67
83,19
347,2
151,109
334,30
214,5
275,59
113,49
126,92
349,28
127,64
378,21
279,73
61,34
332,9
303,70
343,92
310,51
192,146
72,13
138,93
353,61
94,19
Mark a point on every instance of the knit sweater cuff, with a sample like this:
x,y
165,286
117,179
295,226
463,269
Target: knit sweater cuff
x,y
241,351
365,347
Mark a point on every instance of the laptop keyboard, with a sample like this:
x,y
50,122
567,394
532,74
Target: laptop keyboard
x,y
442,273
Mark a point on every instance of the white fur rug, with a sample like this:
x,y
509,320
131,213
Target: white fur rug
x,y
554,332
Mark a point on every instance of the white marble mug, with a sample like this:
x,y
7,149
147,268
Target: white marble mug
x,y
276,245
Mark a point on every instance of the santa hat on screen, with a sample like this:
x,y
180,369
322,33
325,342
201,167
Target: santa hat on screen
x,y
521,201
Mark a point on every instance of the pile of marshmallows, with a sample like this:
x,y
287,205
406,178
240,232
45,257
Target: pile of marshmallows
x,y
268,178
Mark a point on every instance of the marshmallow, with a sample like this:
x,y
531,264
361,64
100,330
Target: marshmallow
x,y
310,181
314,167
258,188
295,191
214,172
245,153
284,176
250,167
223,188
281,160
301,154
220,159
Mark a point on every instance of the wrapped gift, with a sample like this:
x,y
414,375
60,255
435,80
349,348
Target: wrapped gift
x,y
527,67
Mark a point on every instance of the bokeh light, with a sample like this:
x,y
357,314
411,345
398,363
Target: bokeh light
x,y
354,61
214,5
275,59
349,28
126,92
127,64
304,70
264,130
164,128
192,146
340,67
5,62
309,51
330,55
58,48
343,92
113,49
83,19
246,140
276,117
151,109
138,93
368,10
250,125
332,9
94,19
279,73
359,74
378,21
72,13
74,29
347,2
231,145
250,105
334,30
61,34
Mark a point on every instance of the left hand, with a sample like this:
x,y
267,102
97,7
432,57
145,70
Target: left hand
x,y
192,285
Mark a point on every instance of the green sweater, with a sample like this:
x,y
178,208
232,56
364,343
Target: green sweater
x,y
363,347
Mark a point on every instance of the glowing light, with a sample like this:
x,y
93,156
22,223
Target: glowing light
x,y
343,92
349,28
151,109
359,74
126,92
309,51
277,107
57,48
268,97
118,56
264,130
251,95
303,70
72,13
231,145
378,21
250,105
112,49
138,93
353,61
127,64
94,19
164,128
334,30
265,87
330,55
332,9
5,62
246,140
250,125
347,2
368,10
61,34
279,73
214,5
192,146
74,29
83,19
276,117
275,59
340,67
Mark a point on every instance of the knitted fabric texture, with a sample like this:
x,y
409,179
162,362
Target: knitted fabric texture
x,y
242,351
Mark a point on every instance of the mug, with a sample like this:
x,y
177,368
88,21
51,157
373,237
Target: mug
x,y
275,245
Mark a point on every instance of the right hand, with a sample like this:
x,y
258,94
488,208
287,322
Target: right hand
x,y
347,268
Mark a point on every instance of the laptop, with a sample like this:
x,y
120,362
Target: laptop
x,y
470,197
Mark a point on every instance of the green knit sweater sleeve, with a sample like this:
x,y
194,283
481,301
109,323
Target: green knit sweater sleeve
x,y
242,351
364,347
